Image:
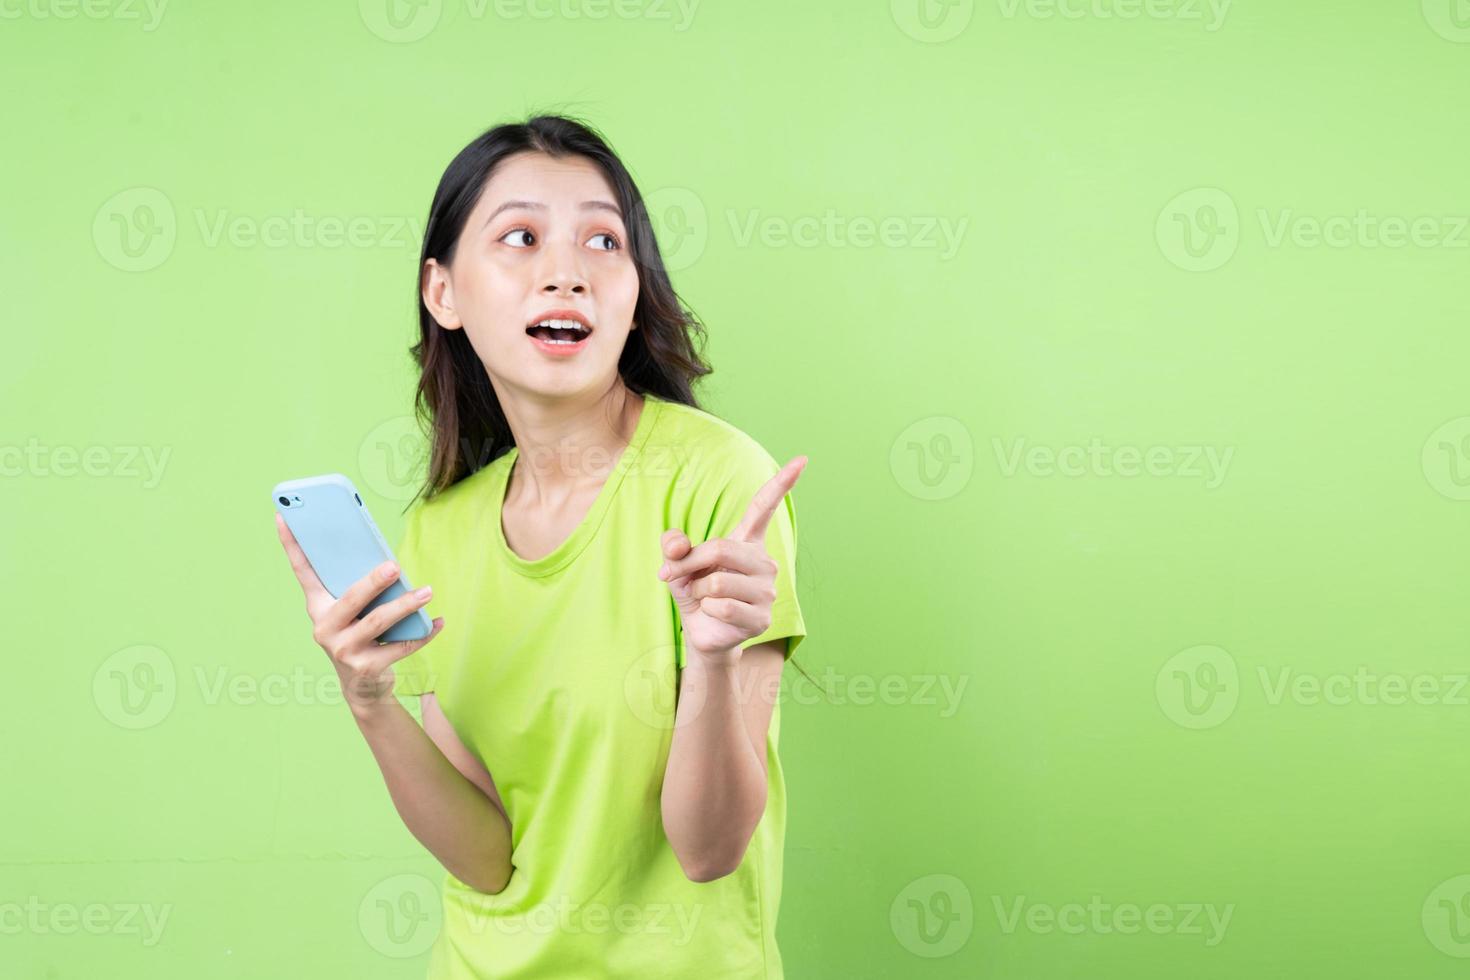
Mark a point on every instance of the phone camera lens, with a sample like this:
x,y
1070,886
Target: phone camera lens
x,y
285,501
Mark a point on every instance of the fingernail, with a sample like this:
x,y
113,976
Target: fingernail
x,y
388,571
663,571
425,592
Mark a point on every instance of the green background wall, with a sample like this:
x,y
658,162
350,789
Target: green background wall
x,y
1127,342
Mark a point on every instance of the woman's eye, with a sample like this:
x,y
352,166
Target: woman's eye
x,y
527,232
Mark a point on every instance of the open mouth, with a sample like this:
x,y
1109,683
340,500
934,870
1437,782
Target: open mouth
x,y
566,332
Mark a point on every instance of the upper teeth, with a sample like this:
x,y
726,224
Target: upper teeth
x,y
563,325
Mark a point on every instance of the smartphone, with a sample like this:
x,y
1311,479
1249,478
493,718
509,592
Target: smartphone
x,y
343,544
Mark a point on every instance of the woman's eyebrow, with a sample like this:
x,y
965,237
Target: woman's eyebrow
x,y
538,206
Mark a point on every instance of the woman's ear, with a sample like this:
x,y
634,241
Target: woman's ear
x,y
438,294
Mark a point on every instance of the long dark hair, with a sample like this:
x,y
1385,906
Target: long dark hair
x,y
455,402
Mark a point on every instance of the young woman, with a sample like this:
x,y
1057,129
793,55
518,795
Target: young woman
x,y
615,567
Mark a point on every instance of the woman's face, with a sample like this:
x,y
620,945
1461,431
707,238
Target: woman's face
x,y
545,236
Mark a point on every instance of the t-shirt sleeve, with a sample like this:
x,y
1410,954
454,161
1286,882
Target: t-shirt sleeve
x,y
416,673
725,497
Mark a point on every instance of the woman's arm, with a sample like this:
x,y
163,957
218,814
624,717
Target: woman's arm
x,y
460,823
714,789
442,805
468,764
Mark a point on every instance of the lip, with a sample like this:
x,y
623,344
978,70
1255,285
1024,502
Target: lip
x,y
560,350
561,315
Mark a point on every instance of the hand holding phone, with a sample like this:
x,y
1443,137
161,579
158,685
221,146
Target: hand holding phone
x,y
363,614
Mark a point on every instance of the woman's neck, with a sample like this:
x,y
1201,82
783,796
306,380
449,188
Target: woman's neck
x,y
570,445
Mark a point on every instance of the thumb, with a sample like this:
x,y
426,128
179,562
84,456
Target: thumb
x,y
675,544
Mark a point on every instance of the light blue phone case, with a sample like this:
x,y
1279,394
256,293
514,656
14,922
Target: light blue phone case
x,y
335,530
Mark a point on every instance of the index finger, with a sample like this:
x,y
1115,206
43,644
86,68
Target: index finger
x,y
752,526
305,574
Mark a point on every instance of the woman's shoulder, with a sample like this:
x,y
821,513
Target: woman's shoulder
x,y
458,500
708,447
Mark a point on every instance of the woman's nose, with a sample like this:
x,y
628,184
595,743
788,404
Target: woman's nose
x,y
562,268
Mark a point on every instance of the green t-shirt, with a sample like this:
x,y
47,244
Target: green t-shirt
x,y
560,675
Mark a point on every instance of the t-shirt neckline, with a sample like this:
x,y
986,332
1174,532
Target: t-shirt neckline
x,y
583,533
